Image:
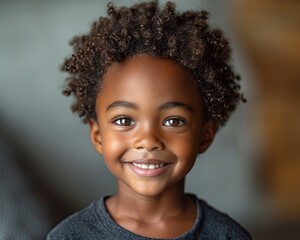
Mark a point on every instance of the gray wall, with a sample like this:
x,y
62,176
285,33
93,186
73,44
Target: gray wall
x,y
34,41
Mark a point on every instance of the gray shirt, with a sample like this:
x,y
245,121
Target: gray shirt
x,y
94,222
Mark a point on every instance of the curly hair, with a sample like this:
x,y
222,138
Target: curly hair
x,y
145,28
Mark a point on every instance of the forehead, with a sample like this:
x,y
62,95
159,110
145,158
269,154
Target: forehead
x,y
147,77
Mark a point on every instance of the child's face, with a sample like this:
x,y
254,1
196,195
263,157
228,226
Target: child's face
x,y
150,124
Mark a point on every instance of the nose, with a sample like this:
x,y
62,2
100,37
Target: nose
x,y
148,139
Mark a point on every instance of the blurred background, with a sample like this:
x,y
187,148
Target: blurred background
x,y
49,169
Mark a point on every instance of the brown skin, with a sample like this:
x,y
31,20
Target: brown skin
x,y
150,112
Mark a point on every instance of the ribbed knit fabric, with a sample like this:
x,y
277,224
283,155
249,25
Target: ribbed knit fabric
x,y
94,222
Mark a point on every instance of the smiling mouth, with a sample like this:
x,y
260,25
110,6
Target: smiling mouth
x,y
148,166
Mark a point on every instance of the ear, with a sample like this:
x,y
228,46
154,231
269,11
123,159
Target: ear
x,y
95,135
208,135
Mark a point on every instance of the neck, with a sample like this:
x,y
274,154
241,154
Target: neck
x,y
148,208
167,215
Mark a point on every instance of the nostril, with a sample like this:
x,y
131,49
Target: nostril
x,y
148,139
148,145
157,146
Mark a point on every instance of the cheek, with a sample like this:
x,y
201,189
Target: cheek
x,y
113,147
112,150
186,154
185,148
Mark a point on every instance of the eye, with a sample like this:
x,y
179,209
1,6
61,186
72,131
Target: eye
x,y
174,122
123,121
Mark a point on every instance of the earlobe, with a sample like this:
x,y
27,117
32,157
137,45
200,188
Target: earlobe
x,y
95,135
208,135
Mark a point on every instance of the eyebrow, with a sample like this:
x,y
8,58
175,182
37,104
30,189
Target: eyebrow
x,y
165,106
122,104
170,105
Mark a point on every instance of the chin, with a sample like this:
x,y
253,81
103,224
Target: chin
x,y
148,191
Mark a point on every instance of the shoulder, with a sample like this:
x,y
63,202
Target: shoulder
x,y
220,225
79,225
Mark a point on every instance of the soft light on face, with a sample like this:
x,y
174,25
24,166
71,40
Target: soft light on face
x,y
150,124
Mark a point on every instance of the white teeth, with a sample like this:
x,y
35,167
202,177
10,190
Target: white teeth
x,y
151,166
147,166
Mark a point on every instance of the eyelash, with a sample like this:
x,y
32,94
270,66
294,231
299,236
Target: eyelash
x,y
119,123
167,123
180,122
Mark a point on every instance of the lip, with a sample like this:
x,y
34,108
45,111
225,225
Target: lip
x,y
160,167
149,161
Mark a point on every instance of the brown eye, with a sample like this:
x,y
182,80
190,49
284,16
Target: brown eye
x,y
124,121
174,122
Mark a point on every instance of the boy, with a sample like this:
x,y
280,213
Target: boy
x,y
154,86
